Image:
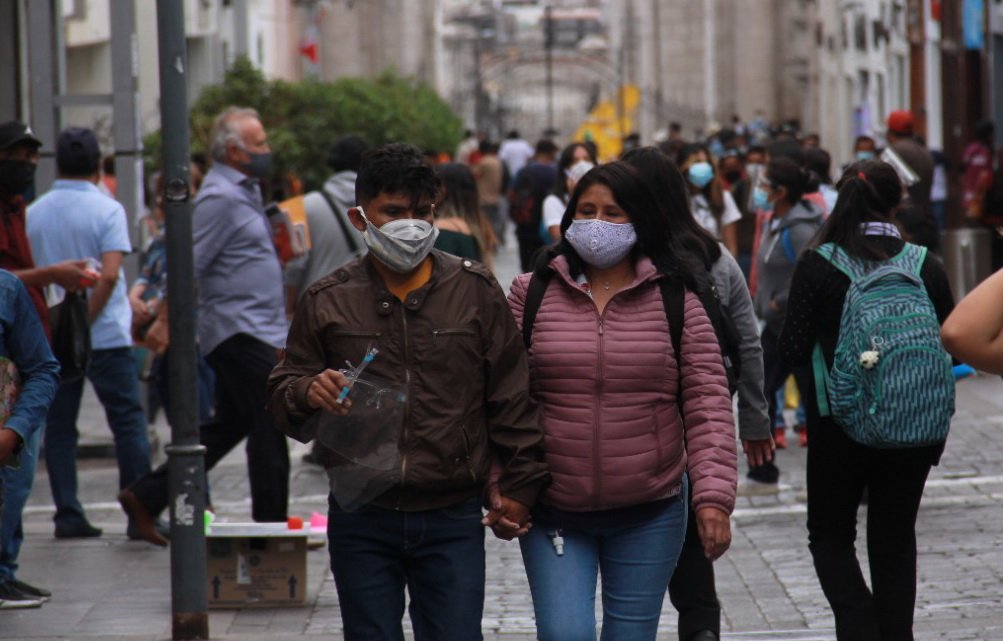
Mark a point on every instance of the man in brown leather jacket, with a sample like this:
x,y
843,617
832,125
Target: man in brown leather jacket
x,y
445,336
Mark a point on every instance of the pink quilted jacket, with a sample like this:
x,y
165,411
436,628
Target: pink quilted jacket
x,y
607,392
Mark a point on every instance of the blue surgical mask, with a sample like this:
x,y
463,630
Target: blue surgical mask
x,y
760,200
865,155
700,174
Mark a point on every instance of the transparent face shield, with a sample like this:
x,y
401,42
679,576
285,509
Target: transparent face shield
x,y
366,441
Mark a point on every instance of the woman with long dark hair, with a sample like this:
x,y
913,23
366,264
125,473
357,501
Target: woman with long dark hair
x,y
463,231
692,589
624,412
575,155
793,222
712,205
862,230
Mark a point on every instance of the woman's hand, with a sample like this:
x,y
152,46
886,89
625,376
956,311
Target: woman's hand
x,y
506,517
714,528
157,337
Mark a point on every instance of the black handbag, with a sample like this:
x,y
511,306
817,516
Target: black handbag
x,y
71,336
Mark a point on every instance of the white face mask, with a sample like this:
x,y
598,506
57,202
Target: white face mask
x,y
400,244
600,243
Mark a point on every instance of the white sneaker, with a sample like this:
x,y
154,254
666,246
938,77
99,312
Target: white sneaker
x,y
13,599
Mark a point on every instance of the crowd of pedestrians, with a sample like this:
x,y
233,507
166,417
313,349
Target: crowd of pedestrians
x,y
590,414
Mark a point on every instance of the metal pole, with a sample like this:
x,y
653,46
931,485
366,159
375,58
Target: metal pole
x,y
186,465
41,68
125,126
548,44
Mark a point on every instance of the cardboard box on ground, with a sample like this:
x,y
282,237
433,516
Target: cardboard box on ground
x,y
256,565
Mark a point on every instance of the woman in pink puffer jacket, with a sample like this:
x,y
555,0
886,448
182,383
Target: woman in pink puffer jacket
x,y
608,380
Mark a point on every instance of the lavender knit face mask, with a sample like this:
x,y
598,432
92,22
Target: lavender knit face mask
x,y
599,243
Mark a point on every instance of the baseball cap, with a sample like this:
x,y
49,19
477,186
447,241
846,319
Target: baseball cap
x,y
900,122
77,152
13,132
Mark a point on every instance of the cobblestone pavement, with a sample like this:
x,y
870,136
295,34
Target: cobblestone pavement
x,y
115,589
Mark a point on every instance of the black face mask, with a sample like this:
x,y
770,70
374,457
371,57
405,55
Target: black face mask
x,y
733,176
16,177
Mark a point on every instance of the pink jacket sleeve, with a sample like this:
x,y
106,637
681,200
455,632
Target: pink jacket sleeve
x,y
707,413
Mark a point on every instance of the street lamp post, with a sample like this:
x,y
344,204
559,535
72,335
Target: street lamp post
x,y
186,465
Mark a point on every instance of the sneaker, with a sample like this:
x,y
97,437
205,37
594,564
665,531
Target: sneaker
x,y
13,599
780,438
30,590
765,473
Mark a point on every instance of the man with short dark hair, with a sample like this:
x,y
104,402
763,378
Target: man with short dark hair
x,y
444,338
529,189
73,221
242,322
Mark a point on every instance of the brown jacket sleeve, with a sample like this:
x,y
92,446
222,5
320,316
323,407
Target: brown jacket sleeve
x,y
288,383
514,435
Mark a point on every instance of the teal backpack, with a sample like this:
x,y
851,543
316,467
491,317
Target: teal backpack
x,y
891,384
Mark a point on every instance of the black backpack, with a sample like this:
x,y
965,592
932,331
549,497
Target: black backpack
x,y
672,298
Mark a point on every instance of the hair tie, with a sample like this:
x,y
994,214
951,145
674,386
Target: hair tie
x,y
861,175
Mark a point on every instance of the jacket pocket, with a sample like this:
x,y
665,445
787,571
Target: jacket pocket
x,y
349,344
657,433
454,357
442,336
355,333
468,453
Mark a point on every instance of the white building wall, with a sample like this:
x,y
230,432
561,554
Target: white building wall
x,y
859,87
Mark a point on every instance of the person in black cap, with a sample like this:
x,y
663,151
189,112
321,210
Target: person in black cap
x,y
74,220
18,160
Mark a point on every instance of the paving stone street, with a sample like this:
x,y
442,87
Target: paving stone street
x,y
111,588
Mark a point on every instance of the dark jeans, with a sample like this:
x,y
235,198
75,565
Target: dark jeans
x,y
692,590
776,373
113,374
242,364
438,555
529,243
838,472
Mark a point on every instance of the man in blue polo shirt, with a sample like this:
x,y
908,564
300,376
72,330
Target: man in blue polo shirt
x,y
74,220
241,322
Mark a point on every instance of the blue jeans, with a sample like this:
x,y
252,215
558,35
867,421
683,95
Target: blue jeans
x,y
16,487
636,561
437,554
800,416
113,374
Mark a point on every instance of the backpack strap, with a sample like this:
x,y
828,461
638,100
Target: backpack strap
x,y
839,259
672,298
911,258
353,242
538,283
788,245
821,373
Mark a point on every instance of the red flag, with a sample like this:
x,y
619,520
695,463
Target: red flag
x,y
309,49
